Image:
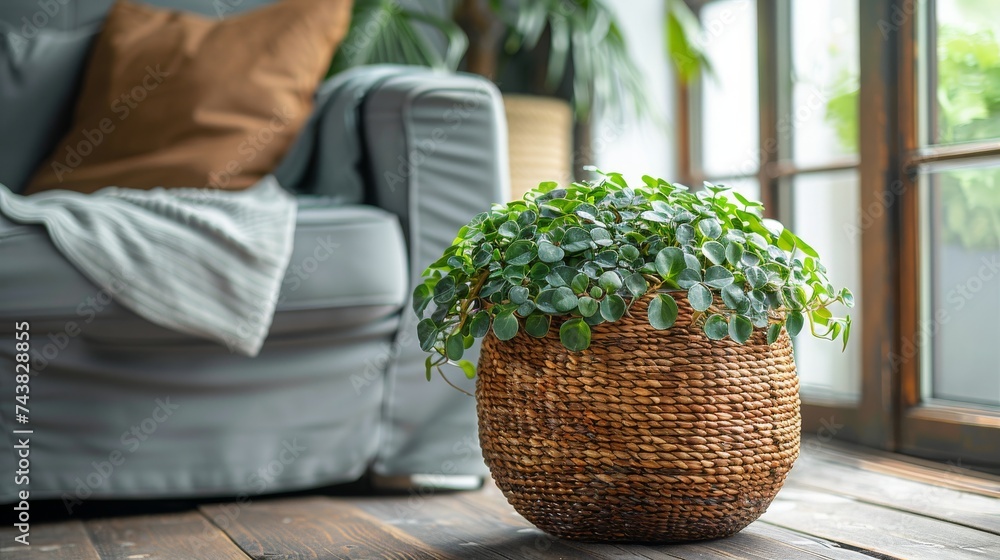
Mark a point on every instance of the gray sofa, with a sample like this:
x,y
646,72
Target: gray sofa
x,y
393,161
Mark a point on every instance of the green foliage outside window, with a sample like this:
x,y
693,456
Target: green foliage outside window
x,y
968,109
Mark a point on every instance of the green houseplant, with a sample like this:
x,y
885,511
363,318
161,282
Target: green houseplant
x,y
637,356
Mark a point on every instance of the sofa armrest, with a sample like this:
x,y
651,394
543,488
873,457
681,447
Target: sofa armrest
x,y
327,157
436,149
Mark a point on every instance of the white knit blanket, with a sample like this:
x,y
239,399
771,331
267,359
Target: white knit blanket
x,y
204,262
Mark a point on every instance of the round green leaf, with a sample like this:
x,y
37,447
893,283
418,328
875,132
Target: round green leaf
x,y
549,253
515,273
612,307
588,306
505,326
564,300
480,324
607,259
518,294
527,218
444,290
636,284
596,292
793,323
688,277
847,297
482,258
575,335
718,277
735,298
734,253
601,236
716,327
526,308
580,283
740,328
714,251
692,262
669,262
544,301
662,312
710,228
657,217
755,276
509,230
700,297
610,281
426,334
576,240
537,325
421,297
455,347
685,234
629,252
521,251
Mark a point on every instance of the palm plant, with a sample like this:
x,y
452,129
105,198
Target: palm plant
x,y
579,35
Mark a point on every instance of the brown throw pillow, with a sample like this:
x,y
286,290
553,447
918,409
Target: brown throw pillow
x,y
175,99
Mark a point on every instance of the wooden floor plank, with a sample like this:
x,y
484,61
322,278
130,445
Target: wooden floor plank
x,y
178,536
972,510
479,525
315,528
809,543
950,475
890,532
760,542
55,541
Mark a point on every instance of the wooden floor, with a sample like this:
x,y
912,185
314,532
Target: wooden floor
x,y
838,504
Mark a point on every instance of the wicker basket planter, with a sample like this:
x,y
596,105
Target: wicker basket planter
x,y
647,436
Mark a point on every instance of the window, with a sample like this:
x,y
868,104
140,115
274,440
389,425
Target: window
x,y
873,129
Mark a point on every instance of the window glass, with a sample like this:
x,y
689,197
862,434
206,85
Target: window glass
x,y
961,312
825,70
964,80
825,214
729,126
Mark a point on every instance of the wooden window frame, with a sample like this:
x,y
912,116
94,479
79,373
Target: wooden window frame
x,y
890,412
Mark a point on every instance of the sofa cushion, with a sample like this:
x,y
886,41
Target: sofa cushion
x,y
176,99
39,77
348,268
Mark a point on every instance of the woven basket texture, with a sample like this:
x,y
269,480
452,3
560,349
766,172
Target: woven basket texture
x,y
647,436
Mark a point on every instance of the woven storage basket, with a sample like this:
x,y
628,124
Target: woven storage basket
x,y
539,141
647,436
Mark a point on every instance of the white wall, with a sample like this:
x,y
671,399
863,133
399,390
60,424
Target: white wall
x,y
642,147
